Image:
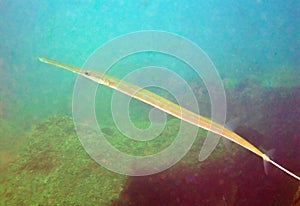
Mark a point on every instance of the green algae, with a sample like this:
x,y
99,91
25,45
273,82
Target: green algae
x,y
142,148
282,76
54,169
230,83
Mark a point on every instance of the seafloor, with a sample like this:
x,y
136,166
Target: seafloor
x,y
52,167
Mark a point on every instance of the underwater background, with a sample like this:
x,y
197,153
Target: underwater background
x,y
255,46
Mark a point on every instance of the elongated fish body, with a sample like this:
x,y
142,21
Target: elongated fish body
x,y
166,106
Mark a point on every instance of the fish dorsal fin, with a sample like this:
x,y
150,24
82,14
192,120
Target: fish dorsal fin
x,y
233,124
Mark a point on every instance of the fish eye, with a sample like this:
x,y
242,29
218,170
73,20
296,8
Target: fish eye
x,y
88,73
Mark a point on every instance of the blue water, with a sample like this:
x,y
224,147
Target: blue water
x,y
245,39
240,37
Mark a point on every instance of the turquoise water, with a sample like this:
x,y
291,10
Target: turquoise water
x,y
253,44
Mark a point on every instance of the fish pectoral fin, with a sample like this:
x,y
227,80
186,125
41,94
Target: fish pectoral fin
x,y
269,153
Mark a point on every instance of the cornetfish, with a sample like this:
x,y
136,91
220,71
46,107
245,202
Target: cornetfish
x,y
166,106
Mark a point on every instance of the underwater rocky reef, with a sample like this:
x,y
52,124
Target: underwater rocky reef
x,y
235,177
52,167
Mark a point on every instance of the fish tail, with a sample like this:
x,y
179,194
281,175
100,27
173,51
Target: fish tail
x,y
268,160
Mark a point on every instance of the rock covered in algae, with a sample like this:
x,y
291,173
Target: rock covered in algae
x,y
54,169
296,201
